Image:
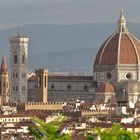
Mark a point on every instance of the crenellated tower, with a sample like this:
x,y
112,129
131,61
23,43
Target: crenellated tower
x,y
42,85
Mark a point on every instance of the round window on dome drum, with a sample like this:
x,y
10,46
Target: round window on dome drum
x,y
108,75
128,76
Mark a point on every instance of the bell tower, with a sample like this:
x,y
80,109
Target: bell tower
x,y
18,64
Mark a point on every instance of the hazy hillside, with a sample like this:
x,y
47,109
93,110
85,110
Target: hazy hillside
x,y
63,47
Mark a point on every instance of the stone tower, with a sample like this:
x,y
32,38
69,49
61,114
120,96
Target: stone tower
x,y
18,63
42,85
4,82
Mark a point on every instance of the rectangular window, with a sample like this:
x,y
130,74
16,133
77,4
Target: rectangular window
x,y
15,59
16,88
16,75
23,75
39,81
13,75
45,82
13,88
23,59
23,88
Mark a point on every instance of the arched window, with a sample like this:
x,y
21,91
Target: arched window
x,y
23,75
85,87
13,75
23,59
45,82
69,87
23,88
16,88
13,88
15,59
16,75
39,81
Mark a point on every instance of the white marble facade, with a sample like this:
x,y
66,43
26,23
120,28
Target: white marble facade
x,y
18,68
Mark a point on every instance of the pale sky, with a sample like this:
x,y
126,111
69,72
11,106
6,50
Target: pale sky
x,y
21,12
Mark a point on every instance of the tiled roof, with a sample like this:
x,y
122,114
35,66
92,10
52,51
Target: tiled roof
x,y
119,49
105,87
78,137
26,114
66,77
32,78
128,50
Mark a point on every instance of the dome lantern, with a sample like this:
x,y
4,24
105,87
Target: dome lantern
x,y
121,23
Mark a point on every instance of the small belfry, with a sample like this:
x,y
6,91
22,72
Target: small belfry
x,y
4,82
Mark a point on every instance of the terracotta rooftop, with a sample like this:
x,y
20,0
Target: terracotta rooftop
x,y
78,137
105,87
119,49
109,125
26,114
32,78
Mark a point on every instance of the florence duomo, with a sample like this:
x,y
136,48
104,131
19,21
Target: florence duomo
x,y
38,81
116,74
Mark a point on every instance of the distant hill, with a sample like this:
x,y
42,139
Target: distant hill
x,y
63,47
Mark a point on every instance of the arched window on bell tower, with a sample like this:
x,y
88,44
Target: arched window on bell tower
x,y
15,59
23,59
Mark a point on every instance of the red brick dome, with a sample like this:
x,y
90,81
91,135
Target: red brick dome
x,y
105,87
120,48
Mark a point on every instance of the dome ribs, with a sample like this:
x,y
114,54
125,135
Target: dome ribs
x,y
109,53
127,51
